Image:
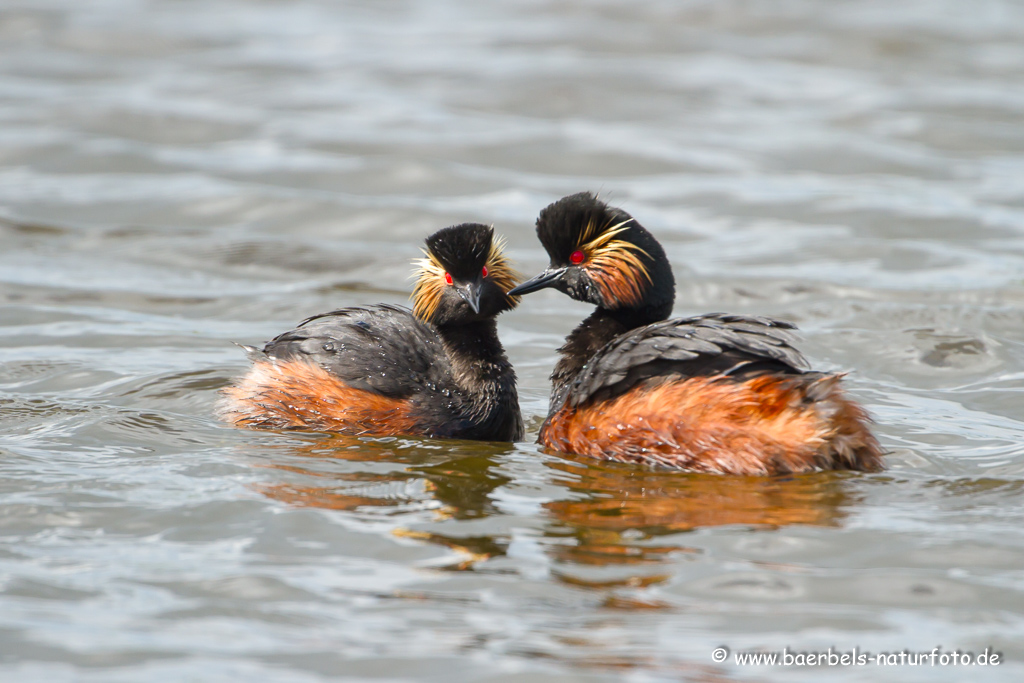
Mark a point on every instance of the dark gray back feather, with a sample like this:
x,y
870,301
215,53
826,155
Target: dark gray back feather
x,y
381,348
713,344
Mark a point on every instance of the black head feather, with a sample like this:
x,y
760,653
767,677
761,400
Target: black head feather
x,y
462,249
571,222
465,277
561,224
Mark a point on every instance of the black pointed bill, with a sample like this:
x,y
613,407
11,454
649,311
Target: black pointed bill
x,y
471,295
546,279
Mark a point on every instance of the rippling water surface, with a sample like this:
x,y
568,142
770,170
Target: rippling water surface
x,y
175,176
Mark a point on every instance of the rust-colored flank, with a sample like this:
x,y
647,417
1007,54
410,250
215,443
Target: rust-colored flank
x,y
299,395
761,426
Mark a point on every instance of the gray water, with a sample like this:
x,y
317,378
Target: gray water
x,y
175,176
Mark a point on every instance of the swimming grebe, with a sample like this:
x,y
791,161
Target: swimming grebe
x,y
438,370
713,393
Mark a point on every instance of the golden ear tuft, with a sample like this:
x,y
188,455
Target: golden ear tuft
x,y
430,284
615,265
500,271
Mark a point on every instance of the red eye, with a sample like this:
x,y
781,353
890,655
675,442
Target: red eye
x,y
448,278
577,257
483,273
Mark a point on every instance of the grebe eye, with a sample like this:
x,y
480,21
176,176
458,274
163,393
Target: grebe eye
x,y
483,273
448,278
577,257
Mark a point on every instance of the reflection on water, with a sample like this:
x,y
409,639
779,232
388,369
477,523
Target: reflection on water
x,y
618,508
606,513
453,480
454,474
658,502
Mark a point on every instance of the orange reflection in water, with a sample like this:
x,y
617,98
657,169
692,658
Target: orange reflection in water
x,y
618,507
609,515
454,479
629,497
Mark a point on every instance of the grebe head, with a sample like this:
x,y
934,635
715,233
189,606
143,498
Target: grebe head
x,y
464,276
601,255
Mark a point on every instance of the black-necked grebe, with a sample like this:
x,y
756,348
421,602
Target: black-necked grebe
x,y
438,370
713,393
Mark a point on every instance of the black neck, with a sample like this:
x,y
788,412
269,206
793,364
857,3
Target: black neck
x,y
485,376
599,328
